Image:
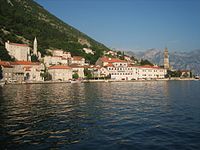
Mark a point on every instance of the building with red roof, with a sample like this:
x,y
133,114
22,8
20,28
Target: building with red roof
x,y
20,52
122,70
21,71
103,61
78,60
60,72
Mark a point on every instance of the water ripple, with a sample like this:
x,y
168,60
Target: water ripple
x,y
138,115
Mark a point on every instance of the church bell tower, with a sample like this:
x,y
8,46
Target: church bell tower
x,y
166,59
35,47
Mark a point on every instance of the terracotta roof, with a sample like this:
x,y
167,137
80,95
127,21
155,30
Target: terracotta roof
x,y
17,44
24,63
59,67
111,60
77,58
5,64
64,58
148,66
109,65
76,66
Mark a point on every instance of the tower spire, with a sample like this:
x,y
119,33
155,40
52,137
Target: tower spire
x,y
166,59
35,47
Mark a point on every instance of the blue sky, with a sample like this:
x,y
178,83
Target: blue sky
x,y
133,24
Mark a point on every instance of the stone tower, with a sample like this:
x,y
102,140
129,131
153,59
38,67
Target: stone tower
x,y
166,59
35,47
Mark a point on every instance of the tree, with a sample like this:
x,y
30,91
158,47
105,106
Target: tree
x,y
75,76
185,75
173,73
47,76
34,58
145,62
4,54
87,73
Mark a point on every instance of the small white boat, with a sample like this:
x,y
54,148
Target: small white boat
x,y
75,81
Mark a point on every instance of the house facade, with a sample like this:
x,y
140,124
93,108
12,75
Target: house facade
x,y
20,52
122,70
60,72
77,69
21,71
78,60
88,51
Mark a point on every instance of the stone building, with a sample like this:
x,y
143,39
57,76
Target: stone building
x,y
166,59
60,72
20,52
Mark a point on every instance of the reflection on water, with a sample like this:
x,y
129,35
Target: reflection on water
x,y
136,115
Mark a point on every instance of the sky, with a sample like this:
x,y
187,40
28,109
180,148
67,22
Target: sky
x,y
134,25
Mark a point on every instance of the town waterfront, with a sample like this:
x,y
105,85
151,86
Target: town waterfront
x,y
114,115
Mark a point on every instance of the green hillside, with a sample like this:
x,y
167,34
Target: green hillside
x,y
22,20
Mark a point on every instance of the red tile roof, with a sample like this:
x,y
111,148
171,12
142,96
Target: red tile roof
x,y
77,58
59,67
17,44
24,63
109,65
5,64
148,66
76,66
111,60
64,58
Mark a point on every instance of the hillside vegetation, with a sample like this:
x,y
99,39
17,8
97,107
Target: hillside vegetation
x,y
22,20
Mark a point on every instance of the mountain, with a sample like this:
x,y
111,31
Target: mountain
x,y
178,60
22,20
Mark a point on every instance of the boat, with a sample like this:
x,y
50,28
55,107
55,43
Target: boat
x,y
75,81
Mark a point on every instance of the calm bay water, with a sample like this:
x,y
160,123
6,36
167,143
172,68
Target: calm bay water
x,y
135,115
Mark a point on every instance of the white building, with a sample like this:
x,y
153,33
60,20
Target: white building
x,y
78,69
67,55
121,70
112,53
61,53
151,72
21,71
78,60
59,57
60,72
20,52
127,58
55,60
57,52
31,71
7,71
88,51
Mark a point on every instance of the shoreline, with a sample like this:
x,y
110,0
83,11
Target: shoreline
x,y
105,81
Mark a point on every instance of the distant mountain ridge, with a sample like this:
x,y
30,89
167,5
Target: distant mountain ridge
x,y
178,60
22,20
